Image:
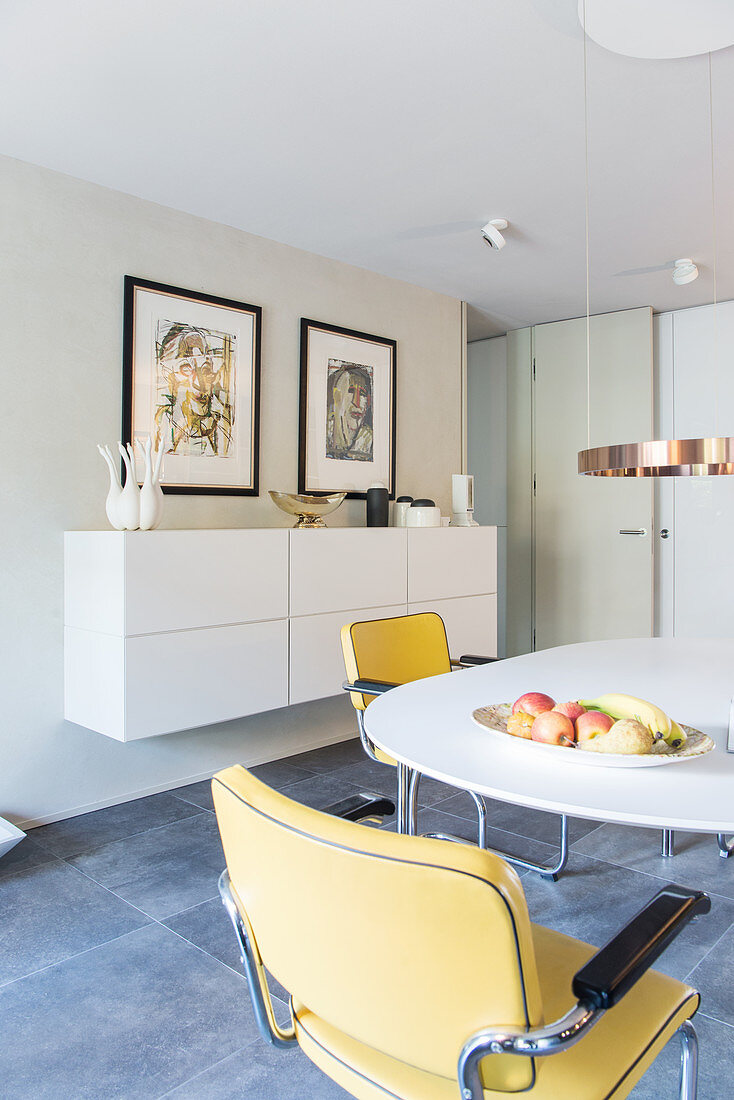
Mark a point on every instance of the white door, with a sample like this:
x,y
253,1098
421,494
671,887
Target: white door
x,y
702,519
591,580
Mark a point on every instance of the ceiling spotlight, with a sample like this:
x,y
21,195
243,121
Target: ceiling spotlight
x,y
685,271
492,235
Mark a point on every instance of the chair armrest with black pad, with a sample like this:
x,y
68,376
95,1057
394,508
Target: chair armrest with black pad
x,y
598,985
468,660
368,687
358,807
615,968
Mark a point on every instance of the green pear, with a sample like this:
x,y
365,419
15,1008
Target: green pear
x,y
628,737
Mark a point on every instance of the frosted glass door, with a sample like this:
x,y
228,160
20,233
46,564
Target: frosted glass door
x,y
703,522
591,581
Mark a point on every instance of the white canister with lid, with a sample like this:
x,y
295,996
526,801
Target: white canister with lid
x,y
423,513
400,511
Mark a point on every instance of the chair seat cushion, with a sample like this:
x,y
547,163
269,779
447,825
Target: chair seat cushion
x,y
604,1065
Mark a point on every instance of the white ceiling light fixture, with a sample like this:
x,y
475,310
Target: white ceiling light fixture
x,y
685,271
492,233
659,28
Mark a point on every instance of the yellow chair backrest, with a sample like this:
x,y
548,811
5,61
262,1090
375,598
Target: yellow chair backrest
x,y
397,650
408,945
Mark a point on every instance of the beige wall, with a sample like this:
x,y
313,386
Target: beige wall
x,y
66,247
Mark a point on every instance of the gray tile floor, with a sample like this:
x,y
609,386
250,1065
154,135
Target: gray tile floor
x,y
119,974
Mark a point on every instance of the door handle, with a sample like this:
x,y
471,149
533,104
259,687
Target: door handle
x,y
636,531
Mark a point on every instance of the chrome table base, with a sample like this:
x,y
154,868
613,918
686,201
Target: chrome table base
x,y
407,822
726,847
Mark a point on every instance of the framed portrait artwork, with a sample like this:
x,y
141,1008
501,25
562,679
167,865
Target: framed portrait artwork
x,y
191,380
347,411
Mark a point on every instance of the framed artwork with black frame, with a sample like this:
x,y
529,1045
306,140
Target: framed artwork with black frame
x,y
191,380
347,411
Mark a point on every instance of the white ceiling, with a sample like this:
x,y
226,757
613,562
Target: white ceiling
x,y
385,132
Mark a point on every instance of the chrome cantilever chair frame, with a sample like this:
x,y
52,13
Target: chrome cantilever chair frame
x,y
600,984
262,1003
409,779
554,1039
603,981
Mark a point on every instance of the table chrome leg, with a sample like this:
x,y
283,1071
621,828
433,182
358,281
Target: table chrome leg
x,y
403,807
668,843
553,872
412,818
726,847
688,1061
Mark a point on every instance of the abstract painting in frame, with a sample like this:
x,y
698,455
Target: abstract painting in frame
x,y
347,411
191,380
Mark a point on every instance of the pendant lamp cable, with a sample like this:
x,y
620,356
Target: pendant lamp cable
x,y
586,230
714,235
702,456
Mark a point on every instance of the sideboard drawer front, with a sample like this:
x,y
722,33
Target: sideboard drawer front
x,y
94,681
471,623
178,580
317,665
444,562
334,569
173,630
197,677
94,581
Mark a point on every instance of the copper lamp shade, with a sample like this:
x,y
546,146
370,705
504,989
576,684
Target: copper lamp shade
x,y
661,458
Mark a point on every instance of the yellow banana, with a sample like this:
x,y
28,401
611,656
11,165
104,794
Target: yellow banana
x,y
676,737
628,706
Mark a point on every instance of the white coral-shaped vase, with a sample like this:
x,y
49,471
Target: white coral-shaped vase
x,y
151,494
128,507
115,490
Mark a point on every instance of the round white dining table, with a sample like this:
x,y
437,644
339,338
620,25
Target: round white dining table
x,y
427,725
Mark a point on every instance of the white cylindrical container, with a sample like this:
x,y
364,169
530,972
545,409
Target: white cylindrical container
x,y
423,513
400,511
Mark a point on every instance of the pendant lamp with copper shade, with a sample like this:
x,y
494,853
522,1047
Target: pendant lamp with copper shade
x,y
709,456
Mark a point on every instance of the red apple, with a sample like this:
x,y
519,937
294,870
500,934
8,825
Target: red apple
x,y
592,724
572,709
533,702
552,728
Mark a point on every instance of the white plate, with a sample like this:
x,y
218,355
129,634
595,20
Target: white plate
x,y
493,718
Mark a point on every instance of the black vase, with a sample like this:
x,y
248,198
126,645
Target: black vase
x,y
377,506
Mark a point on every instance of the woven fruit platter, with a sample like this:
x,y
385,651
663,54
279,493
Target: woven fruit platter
x,y
627,733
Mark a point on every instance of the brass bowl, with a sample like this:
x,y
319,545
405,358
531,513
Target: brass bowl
x,y
309,509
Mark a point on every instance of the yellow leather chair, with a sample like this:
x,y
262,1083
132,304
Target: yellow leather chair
x,y
381,654
415,972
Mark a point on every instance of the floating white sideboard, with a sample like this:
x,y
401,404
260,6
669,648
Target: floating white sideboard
x,y
169,630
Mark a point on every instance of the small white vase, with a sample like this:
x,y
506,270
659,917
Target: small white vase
x,y
128,507
151,494
113,496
